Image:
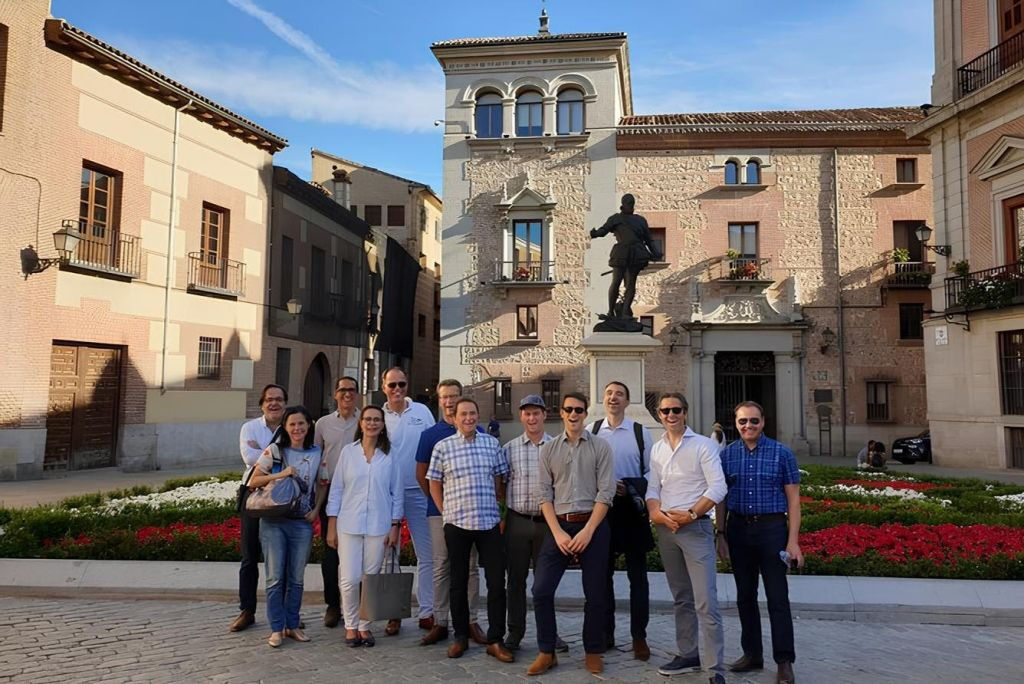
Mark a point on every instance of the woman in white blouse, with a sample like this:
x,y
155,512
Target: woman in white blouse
x,y
367,495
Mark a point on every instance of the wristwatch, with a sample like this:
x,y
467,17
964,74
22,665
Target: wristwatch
x,y
693,516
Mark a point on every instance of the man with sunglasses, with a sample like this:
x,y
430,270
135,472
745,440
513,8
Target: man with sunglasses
x,y
685,483
575,486
406,420
333,432
763,507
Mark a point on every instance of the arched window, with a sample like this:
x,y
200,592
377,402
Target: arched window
x,y
488,116
570,112
529,114
732,172
753,172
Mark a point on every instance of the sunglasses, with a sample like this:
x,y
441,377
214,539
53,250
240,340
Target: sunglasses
x,y
346,390
744,421
671,409
573,409
400,384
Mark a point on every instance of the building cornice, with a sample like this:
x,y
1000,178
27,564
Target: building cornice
x,y
666,140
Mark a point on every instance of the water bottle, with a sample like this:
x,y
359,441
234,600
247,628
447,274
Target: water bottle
x,y
784,557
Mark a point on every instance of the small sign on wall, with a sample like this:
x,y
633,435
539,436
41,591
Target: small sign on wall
x,y
941,335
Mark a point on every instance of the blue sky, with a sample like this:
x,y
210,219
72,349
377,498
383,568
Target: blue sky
x,y
356,77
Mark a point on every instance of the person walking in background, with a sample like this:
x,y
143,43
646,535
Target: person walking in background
x,y
448,394
334,432
686,482
406,420
367,494
494,428
254,437
763,507
286,541
718,435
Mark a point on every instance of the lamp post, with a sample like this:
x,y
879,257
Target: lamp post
x,y
65,241
924,233
827,338
294,306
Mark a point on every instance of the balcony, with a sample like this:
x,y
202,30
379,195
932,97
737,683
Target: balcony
x,y
524,274
908,275
989,66
211,274
336,321
742,270
108,251
992,288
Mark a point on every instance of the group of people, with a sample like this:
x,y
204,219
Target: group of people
x,y
584,497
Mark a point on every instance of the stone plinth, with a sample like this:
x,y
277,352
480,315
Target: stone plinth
x,y
619,356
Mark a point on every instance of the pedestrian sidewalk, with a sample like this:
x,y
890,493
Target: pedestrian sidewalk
x,y
862,599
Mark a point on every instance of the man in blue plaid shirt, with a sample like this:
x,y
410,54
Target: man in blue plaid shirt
x,y
466,474
763,506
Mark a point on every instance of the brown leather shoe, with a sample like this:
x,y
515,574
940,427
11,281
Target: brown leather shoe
x,y
331,617
438,633
498,651
477,634
641,651
392,627
746,663
458,647
244,619
542,663
785,675
594,662
427,623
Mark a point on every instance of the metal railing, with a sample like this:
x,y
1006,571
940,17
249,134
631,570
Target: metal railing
x,y
990,65
210,273
909,274
990,288
109,252
511,272
742,269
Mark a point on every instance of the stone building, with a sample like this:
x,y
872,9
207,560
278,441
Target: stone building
x,y
778,228
974,342
138,347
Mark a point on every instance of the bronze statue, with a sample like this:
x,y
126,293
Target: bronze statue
x,y
633,251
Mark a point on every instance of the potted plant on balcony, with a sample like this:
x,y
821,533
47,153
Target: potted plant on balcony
x,y
962,268
991,293
900,255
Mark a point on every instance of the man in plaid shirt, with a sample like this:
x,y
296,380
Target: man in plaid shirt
x,y
465,474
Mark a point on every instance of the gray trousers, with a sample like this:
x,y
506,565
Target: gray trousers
x,y
689,560
443,575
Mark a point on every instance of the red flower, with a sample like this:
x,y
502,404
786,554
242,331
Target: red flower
x,y
940,544
895,484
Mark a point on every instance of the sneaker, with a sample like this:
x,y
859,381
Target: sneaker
x,y
680,665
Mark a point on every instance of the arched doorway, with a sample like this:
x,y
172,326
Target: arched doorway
x,y
314,387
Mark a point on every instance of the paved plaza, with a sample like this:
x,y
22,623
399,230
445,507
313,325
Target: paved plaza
x,y
186,641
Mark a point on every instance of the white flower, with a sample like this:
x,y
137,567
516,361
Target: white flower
x,y
1012,500
201,493
804,472
905,494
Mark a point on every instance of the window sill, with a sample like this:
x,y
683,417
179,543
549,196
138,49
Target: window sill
x,y
880,421
740,187
910,342
574,140
98,270
523,343
213,292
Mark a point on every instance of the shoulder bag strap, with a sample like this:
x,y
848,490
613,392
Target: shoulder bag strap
x,y
638,432
597,425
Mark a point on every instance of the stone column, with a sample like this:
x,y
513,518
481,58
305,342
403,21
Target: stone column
x,y
508,117
549,115
789,400
620,356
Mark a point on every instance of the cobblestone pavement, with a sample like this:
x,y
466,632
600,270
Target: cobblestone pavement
x,y
180,641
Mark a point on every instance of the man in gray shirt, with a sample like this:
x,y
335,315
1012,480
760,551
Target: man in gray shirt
x,y
575,488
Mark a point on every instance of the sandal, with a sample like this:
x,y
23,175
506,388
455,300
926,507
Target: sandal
x,y
296,634
368,640
275,639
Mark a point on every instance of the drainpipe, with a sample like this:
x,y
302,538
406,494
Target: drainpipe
x,y
839,302
170,247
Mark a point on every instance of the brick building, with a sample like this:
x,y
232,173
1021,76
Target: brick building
x,y
778,228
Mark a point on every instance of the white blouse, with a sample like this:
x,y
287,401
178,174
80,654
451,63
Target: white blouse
x,y
365,497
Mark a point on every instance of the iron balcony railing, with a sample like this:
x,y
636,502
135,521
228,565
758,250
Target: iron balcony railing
x,y
908,274
991,288
524,272
742,269
990,65
211,273
338,321
107,250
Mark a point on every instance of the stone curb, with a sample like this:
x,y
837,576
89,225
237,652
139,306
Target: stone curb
x,y
862,599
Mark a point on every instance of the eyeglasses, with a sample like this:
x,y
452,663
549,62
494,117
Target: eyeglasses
x,y
671,409
346,390
400,384
573,409
744,421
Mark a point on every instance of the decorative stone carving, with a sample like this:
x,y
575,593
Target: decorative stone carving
x,y
746,308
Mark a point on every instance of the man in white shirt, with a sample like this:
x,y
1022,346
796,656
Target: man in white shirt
x,y
334,432
405,420
685,483
254,437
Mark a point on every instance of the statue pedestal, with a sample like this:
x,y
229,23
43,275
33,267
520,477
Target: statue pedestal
x,y
620,356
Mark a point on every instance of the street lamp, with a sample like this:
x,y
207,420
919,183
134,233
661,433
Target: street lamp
x,y
827,338
294,306
924,233
65,241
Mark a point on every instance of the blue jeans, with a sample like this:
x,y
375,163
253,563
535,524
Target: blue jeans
x,y
286,544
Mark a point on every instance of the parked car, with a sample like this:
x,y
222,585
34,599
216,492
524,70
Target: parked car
x,y
913,449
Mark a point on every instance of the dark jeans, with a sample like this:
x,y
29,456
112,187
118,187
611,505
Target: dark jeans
x,y
490,549
249,570
631,535
754,549
523,537
551,565
329,567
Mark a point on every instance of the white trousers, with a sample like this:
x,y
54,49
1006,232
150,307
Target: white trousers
x,y
419,530
358,554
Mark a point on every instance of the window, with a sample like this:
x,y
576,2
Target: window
x,y
551,393
903,237
906,170
529,114
526,322
1015,447
648,325
1013,229
282,366
488,116
658,238
287,255
212,270
732,172
753,172
209,358
528,250
437,229
1011,371
743,239
437,329
878,401
3,70
911,316
396,215
320,302
372,214
97,210
422,325
569,112
503,398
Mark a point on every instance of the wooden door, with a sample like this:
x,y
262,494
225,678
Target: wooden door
x,y
1013,229
213,248
315,386
96,220
1011,21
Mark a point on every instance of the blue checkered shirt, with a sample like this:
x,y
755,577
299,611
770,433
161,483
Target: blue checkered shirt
x,y
756,478
467,469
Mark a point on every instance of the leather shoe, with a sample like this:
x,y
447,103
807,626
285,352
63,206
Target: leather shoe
x,y
594,662
331,617
427,623
641,651
785,675
244,619
458,647
561,646
477,634
542,663
747,663
438,633
498,651
392,627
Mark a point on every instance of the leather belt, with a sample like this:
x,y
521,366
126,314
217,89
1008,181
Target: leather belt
x,y
575,517
757,517
534,518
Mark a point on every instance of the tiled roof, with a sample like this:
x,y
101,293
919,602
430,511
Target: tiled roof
x,y
375,170
517,40
799,121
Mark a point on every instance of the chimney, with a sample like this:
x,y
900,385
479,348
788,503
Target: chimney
x,y
543,23
342,185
